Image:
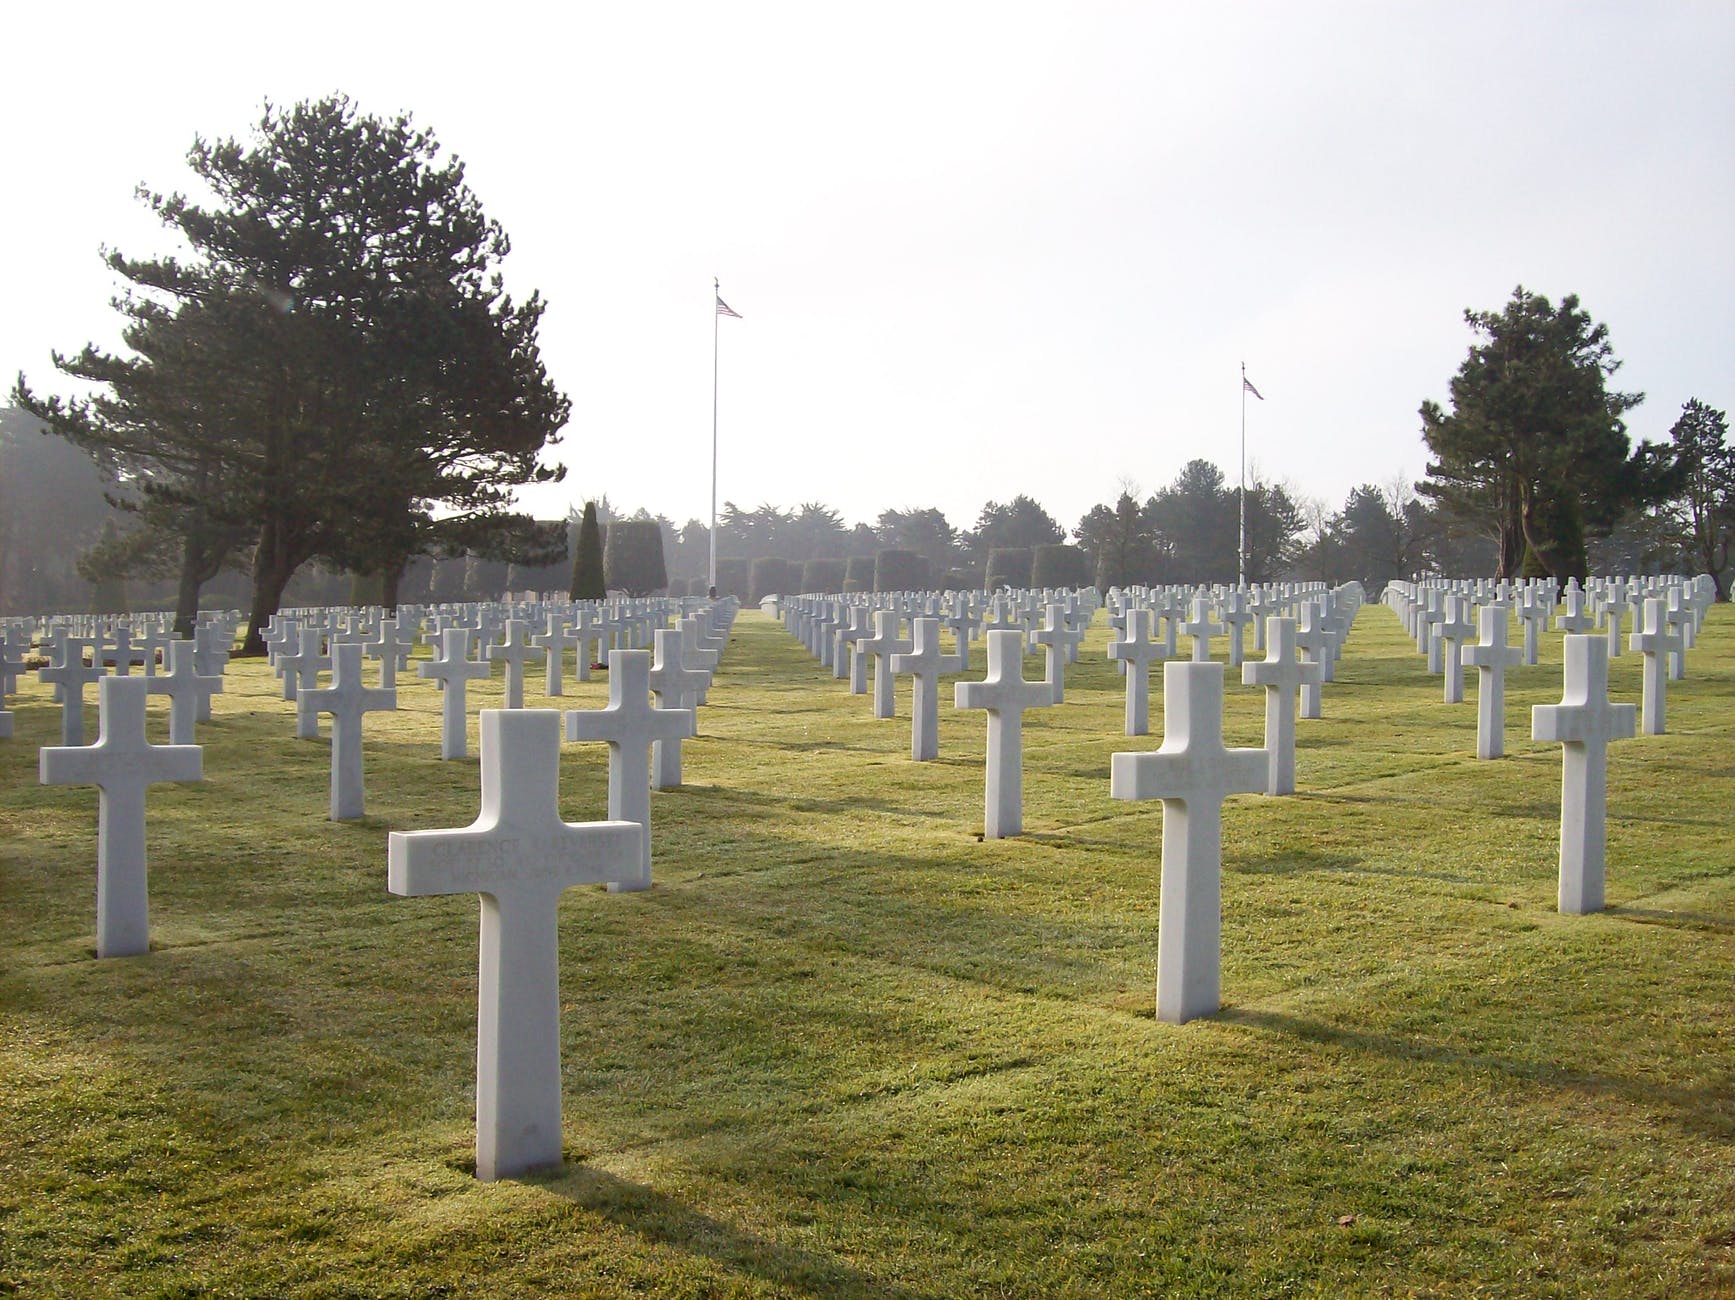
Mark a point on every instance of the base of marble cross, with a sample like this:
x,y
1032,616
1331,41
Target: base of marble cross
x,y
520,856
5,725
1192,774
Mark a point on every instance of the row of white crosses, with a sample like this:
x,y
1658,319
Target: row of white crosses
x,y
1439,615
122,762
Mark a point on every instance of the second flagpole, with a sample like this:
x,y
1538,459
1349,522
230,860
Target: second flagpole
x,y
717,293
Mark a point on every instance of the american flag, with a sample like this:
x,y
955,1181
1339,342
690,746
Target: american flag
x,y
1246,383
724,309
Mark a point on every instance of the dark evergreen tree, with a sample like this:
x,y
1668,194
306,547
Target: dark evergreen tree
x,y
1703,514
587,568
1534,453
369,391
632,557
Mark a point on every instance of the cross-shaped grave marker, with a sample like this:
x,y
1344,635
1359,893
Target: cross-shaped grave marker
x,y
1453,631
514,650
1192,774
1576,619
1310,640
452,670
1136,652
189,691
1059,641
922,662
631,725
346,699
1533,615
520,856
1235,620
1282,674
392,650
673,686
122,655
69,677
300,671
1201,629
882,645
1491,657
1656,641
1583,722
121,764
555,642
1005,694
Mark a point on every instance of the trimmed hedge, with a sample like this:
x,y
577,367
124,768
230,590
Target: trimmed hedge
x,y
896,570
1009,566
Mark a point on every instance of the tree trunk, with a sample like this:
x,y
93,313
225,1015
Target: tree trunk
x,y
391,579
273,566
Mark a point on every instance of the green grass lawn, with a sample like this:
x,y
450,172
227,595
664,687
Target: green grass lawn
x,y
846,1048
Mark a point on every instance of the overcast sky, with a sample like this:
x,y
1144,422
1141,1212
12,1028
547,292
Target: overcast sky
x,y
978,249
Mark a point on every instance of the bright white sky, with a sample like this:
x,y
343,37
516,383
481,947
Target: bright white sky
x,y
979,249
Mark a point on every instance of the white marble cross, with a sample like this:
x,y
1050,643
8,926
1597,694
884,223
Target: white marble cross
x,y
1059,641
1583,722
849,639
346,699
69,677
1453,631
1656,641
1235,620
520,856
1136,652
1005,695
882,645
1192,774
514,650
1310,640
922,662
123,654
1491,657
1201,629
188,690
301,668
391,650
121,764
631,726
1533,614
673,686
1575,619
1282,674
1680,620
555,642
452,670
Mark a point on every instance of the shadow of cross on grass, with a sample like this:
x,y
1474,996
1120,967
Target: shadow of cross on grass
x,y
1706,1111
661,1220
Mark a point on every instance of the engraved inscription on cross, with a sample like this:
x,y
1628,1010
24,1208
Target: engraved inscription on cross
x,y
520,856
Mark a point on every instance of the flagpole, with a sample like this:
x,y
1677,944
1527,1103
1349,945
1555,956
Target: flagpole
x,y
717,292
1241,546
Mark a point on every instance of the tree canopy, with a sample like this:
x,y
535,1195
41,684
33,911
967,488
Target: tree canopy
x,y
1534,452
336,366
